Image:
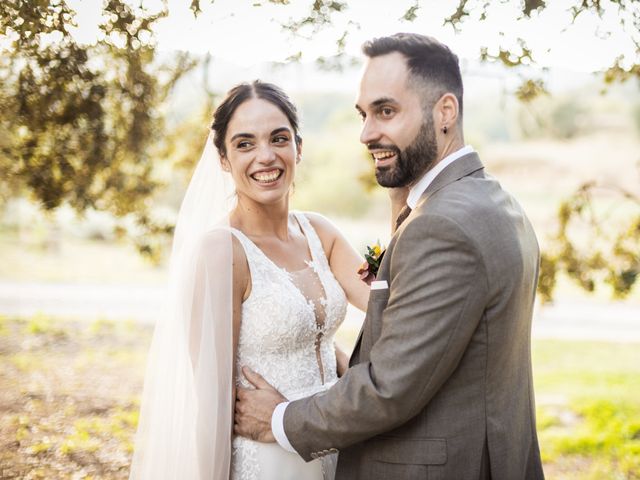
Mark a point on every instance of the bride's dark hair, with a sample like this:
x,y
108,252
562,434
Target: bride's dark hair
x,y
240,94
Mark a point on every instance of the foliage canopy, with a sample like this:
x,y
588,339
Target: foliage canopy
x,y
82,124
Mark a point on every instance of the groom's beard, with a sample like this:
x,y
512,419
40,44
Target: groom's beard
x,y
412,162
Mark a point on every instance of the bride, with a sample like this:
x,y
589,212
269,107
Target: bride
x,y
251,284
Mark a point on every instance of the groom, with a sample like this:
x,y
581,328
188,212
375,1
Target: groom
x,y
439,384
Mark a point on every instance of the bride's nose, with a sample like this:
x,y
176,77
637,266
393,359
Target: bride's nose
x,y
265,154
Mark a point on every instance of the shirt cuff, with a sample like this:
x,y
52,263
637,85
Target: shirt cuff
x,y
277,427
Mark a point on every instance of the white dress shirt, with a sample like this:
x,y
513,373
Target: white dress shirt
x,y
421,186
277,418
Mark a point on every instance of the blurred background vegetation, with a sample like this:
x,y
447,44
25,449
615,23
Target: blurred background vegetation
x,y
98,139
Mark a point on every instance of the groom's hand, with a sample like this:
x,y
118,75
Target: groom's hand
x,y
254,408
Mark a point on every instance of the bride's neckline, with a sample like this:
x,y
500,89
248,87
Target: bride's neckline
x,y
309,263
289,275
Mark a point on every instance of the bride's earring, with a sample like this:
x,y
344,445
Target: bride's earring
x,y
445,129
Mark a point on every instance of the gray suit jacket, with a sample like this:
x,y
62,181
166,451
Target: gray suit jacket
x,y
440,382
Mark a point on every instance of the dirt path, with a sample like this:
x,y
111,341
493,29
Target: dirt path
x,y
577,320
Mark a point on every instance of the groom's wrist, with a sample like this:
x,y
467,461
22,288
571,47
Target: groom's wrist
x,y
277,427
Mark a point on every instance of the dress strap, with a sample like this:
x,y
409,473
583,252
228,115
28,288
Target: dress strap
x,y
315,245
258,265
246,243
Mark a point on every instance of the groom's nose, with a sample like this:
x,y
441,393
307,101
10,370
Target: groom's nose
x,y
370,133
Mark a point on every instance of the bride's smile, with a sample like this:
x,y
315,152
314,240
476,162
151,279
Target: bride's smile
x,y
267,176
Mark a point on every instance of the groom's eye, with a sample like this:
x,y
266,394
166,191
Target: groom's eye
x,y
386,111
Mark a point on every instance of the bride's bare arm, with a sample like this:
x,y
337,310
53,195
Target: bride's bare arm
x,y
343,260
213,272
241,291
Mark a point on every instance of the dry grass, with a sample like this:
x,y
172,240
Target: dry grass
x,y
68,398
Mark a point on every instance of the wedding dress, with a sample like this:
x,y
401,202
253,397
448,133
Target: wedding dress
x,y
286,334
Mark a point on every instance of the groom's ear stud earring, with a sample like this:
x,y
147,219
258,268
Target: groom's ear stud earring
x,y
445,129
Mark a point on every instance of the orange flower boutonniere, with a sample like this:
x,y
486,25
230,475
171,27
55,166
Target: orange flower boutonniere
x,y
369,269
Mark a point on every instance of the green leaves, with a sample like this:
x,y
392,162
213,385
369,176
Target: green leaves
x,y
593,245
79,122
412,12
532,5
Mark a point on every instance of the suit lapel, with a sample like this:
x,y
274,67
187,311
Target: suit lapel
x,y
460,168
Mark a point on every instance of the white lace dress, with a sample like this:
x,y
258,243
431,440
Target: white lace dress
x,y
286,334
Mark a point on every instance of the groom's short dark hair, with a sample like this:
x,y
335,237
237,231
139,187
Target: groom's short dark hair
x,y
429,61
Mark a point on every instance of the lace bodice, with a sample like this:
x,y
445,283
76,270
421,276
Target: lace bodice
x,y
286,332
280,335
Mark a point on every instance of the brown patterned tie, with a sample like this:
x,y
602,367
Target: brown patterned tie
x,y
402,216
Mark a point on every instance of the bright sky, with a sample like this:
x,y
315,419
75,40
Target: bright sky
x,y
238,32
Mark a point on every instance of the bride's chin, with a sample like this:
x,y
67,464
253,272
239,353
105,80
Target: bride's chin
x,y
277,190
270,197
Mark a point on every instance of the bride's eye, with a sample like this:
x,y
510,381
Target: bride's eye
x,y
244,144
280,139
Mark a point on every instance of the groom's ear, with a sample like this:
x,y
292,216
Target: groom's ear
x,y
446,110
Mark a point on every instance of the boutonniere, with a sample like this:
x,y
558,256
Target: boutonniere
x,y
369,269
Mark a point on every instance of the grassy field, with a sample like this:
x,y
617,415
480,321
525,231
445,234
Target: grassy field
x,y
588,409
69,401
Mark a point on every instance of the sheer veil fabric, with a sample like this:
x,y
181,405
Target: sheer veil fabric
x,y
186,425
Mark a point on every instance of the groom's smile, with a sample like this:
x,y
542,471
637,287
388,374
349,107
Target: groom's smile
x,y
383,158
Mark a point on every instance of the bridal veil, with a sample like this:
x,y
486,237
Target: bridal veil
x,y
186,417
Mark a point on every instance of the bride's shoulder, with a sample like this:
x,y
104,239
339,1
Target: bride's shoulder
x,y
225,257
318,221
216,238
219,241
325,228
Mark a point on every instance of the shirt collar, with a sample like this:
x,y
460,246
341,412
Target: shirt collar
x,y
421,186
